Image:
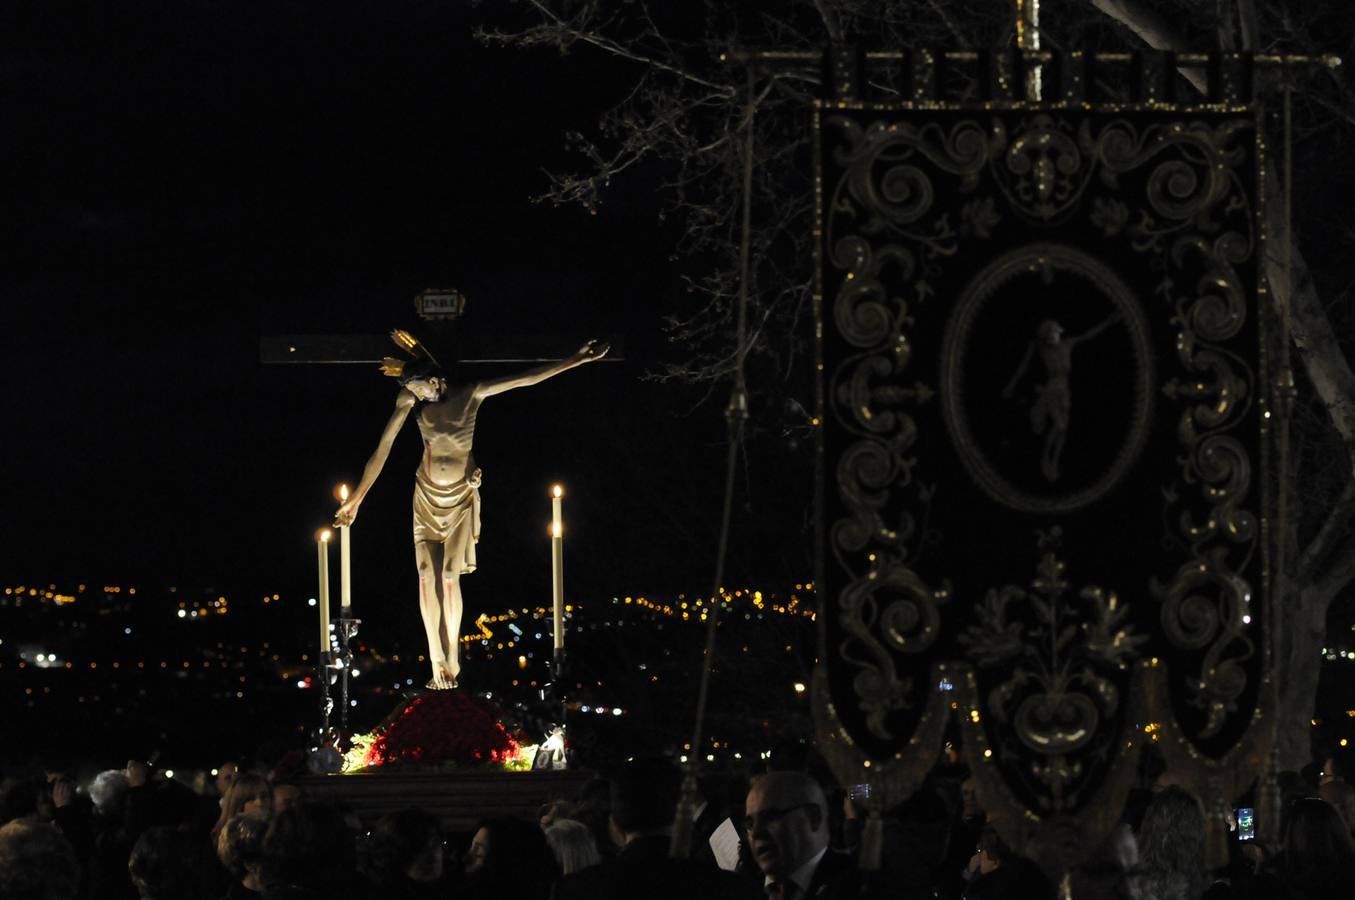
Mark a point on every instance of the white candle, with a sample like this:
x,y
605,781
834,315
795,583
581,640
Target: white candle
x,y
345,565
322,549
557,560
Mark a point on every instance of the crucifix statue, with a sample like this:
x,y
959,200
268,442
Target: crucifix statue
x,y
446,483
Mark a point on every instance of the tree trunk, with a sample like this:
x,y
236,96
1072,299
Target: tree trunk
x,y
1297,670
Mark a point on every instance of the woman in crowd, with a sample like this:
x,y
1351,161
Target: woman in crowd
x,y
309,853
250,792
1318,860
508,858
1171,847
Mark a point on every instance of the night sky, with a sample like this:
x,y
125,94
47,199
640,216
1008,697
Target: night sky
x,y
182,179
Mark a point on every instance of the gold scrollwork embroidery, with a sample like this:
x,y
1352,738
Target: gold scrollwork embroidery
x,y
885,195
1057,658
1192,188
1206,605
888,610
1043,173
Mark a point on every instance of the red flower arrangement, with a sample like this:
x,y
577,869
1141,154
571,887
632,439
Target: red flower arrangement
x,y
441,727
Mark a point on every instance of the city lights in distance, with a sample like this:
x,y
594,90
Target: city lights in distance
x,y
508,635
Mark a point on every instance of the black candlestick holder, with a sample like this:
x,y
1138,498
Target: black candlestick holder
x,y
559,707
326,758
347,629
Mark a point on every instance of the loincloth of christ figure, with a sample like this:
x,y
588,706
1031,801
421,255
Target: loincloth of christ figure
x,y
446,483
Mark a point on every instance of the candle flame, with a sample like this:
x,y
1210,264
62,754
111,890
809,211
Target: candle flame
x,y
555,529
324,535
557,491
343,492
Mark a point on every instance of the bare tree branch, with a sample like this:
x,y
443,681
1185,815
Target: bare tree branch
x,y
1227,41
1332,108
614,48
1153,30
1247,23
955,32
1336,523
830,21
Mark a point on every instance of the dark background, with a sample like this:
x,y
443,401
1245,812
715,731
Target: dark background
x,y
181,179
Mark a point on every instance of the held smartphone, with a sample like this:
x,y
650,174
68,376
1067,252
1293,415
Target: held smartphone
x,y
1246,824
859,792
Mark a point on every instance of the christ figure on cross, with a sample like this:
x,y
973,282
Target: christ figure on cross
x,y
1052,410
446,484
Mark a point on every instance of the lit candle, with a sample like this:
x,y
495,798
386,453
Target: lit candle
x,y
557,562
345,565
322,549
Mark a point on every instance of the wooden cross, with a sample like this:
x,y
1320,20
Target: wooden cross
x,y
441,310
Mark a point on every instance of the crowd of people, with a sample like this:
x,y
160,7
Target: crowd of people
x,y
786,832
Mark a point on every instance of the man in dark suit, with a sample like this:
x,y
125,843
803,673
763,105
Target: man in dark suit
x,y
786,824
644,802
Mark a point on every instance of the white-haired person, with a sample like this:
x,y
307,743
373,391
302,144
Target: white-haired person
x,y
572,843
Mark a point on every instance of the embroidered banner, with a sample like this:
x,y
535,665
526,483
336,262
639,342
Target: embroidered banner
x,y
1044,464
